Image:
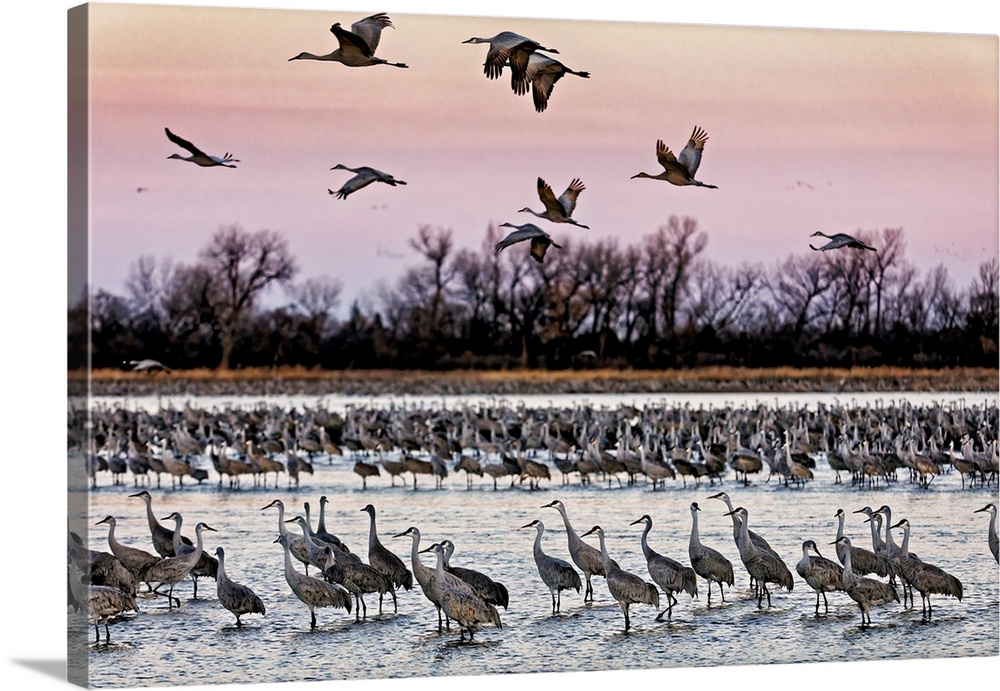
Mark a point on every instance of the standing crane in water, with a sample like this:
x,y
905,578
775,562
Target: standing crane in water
x,y
626,588
386,562
867,592
821,574
927,579
991,509
236,597
460,604
586,557
557,574
313,592
670,575
101,602
765,567
490,591
707,562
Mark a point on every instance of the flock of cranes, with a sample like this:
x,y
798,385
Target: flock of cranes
x,y
106,585
531,69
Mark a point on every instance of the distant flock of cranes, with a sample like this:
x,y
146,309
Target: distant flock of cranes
x,y
530,69
105,585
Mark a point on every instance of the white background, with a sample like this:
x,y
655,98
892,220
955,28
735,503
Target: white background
x,y
33,616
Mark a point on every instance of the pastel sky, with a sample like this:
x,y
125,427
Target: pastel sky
x,y
809,129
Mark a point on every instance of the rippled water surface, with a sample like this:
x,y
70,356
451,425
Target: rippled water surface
x,y
199,643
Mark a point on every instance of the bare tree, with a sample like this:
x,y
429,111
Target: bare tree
x,y
795,287
242,265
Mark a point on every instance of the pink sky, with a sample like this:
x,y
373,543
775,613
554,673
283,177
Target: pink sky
x,y
809,129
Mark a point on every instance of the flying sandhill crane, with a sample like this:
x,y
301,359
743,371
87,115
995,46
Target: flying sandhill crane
x,y
838,240
926,578
558,210
542,73
707,562
540,240
626,588
173,570
867,592
101,602
363,176
765,567
586,557
386,562
821,574
508,49
236,597
148,365
863,561
359,578
198,156
991,509
670,575
557,574
460,604
357,46
680,170
137,561
313,592
489,591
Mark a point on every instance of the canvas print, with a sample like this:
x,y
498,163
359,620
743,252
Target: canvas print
x,y
420,346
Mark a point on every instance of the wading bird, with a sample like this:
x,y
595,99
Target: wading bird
x,y
237,598
363,177
839,240
540,240
765,567
173,570
313,592
926,578
586,557
488,590
707,562
626,588
557,574
680,170
101,602
670,575
386,562
991,509
460,604
357,46
821,574
558,210
867,592
198,156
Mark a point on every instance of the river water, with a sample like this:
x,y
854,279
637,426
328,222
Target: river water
x,y
199,644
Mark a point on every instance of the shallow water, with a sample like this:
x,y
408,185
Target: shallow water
x,y
199,643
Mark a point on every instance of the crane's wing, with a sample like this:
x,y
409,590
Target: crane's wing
x,y
520,235
568,198
501,48
369,29
666,157
543,72
539,244
350,41
183,143
690,157
548,198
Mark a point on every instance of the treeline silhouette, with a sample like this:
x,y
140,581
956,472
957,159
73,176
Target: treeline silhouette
x,y
657,303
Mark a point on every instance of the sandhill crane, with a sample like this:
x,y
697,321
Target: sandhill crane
x,y
991,509
557,574
489,591
707,562
926,578
173,570
321,533
821,574
765,567
101,602
137,561
149,365
206,565
508,49
363,176
296,544
867,592
838,240
357,46
163,537
542,73
359,578
558,210
424,575
586,557
471,467
863,561
313,592
315,550
460,604
236,597
670,575
758,541
626,588
386,562
365,471
540,240
198,157
680,170
100,568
